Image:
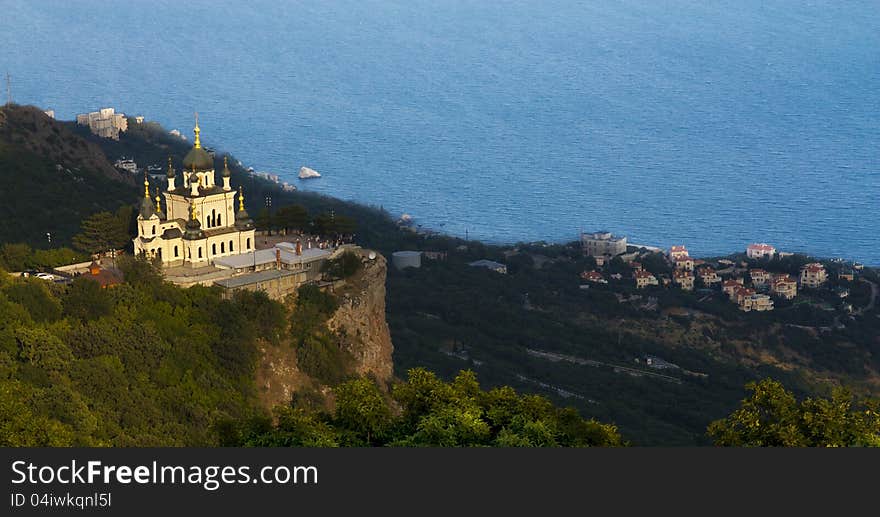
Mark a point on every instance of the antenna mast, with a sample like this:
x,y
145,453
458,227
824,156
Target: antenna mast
x,y
8,89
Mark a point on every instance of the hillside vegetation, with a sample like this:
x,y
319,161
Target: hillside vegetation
x,y
53,179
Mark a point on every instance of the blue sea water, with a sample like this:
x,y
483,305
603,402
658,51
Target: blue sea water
x,y
704,122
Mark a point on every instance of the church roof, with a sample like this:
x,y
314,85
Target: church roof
x,y
172,233
197,158
147,209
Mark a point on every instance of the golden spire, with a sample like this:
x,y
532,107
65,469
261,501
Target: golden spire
x,y
198,143
158,201
240,199
146,185
192,211
225,159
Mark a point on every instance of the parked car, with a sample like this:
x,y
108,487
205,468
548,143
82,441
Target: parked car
x,y
45,276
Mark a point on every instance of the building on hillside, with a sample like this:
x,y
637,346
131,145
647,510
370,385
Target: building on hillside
x,y
644,279
759,277
760,250
813,275
847,274
676,252
635,266
708,276
105,122
593,276
490,265
756,302
128,165
784,286
600,244
684,262
741,293
278,271
729,287
684,279
105,277
199,223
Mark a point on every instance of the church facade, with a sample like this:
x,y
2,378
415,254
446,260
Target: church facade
x,y
200,221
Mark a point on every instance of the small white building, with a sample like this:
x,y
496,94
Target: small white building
x,y
758,250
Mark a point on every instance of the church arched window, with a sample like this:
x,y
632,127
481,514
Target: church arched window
x,y
219,222
248,245
222,247
231,249
214,249
213,218
175,251
154,229
200,252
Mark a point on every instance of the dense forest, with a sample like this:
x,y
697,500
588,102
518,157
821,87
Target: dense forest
x,y
146,363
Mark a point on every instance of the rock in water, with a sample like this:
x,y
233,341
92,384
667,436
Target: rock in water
x,y
306,173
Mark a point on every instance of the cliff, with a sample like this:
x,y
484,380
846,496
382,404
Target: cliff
x,y
360,320
359,328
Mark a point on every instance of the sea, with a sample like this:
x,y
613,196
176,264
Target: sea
x,y
708,123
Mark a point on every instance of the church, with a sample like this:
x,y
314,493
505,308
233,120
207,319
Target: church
x,y
199,222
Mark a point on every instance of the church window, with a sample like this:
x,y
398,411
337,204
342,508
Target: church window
x,y
175,251
154,229
200,252
230,247
248,245
219,223
213,218
222,247
214,249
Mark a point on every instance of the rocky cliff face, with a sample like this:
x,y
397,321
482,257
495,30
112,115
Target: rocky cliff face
x,y
361,319
360,323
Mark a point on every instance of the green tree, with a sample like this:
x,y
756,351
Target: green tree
x,y
345,266
772,417
265,221
362,412
15,257
33,294
292,217
86,300
103,231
